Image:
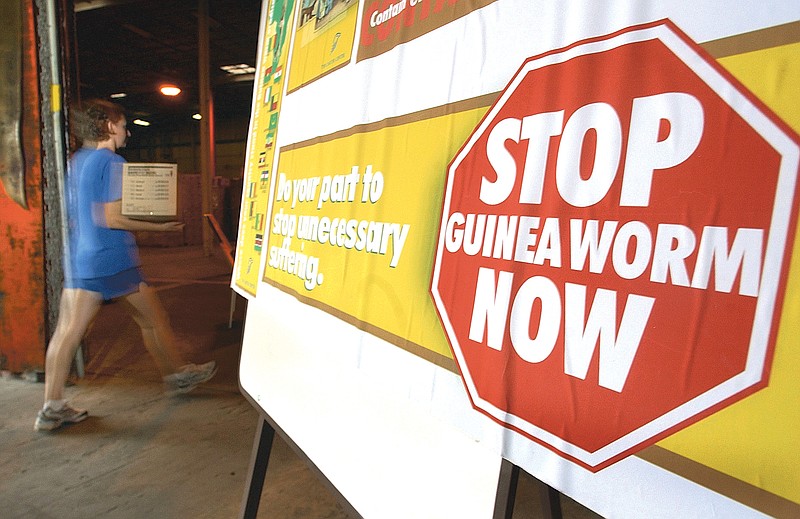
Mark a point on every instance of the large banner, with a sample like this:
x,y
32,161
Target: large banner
x,y
585,210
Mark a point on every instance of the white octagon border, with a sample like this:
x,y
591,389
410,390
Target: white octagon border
x,y
773,258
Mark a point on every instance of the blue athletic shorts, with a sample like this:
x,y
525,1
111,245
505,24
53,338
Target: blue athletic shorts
x,y
110,287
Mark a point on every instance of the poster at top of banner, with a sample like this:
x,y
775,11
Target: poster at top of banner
x,y
385,25
323,39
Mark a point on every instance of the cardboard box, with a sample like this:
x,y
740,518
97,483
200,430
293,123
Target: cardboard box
x,y
150,191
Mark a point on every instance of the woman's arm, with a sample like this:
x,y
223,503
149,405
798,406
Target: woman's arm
x,y
116,220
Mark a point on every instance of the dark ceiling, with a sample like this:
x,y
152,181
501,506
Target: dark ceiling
x,y
133,46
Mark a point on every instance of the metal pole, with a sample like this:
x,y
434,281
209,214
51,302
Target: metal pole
x,y
59,140
207,164
54,159
56,114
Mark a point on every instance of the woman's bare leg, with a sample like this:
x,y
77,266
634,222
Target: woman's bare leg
x,y
151,317
76,310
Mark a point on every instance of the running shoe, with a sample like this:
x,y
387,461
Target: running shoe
x,y
189,377
48,418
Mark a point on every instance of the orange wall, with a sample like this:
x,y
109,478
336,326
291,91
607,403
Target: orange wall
x,y
22,280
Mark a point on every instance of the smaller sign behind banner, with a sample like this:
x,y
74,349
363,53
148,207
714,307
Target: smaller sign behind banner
x,y
267,97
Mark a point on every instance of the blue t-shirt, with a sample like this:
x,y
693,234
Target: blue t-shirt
x,y
95,179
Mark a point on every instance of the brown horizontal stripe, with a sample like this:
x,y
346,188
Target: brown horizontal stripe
x,y
755,40
483,101
721,483
401,342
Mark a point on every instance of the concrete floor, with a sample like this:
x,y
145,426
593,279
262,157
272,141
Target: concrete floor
x,y
144,455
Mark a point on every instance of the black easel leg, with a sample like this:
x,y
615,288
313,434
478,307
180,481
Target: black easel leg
x,y
506,490
259,459
551,503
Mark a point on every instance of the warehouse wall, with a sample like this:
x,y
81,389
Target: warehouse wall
x,y
22,279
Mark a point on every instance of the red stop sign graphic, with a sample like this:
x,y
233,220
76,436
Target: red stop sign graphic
x,y
614,244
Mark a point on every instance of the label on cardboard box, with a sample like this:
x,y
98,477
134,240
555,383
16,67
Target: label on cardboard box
x,y
150,191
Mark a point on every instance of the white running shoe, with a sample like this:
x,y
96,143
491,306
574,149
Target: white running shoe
x,y
188,377
48,418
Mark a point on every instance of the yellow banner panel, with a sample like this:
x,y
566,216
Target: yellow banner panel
x,y
355,221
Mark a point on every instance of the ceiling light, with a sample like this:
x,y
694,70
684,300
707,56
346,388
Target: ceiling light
x,y
197,116
141,122
118,95
170,90
241,68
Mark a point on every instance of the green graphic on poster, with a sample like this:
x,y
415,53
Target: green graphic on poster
x,y
268,94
